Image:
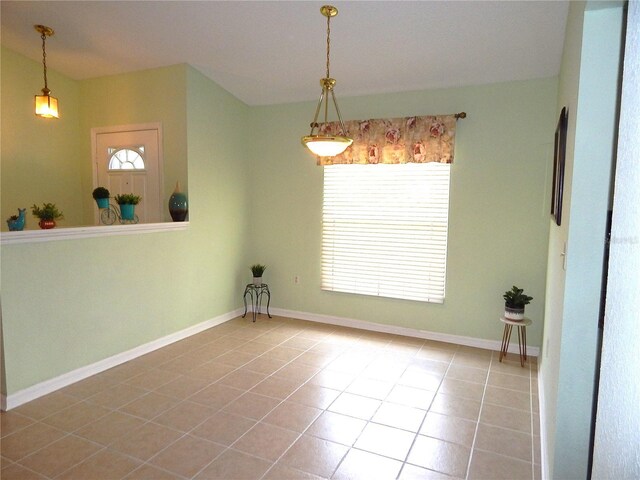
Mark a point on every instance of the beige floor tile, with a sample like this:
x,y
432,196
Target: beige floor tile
x,y
18,472
181,365
127,370
110,427
59,456
266,441
364,465
506,418
146,441
509,365
90,386
254,348
399,416
150,405
417,378
369,387
235,465
45,406
242,379
297,372
284,472
11,422
456,406
337,428
104,465
385,369
486,465
472,360
252,405
300,342
537,454
183,387
460,388
387,441
76,416
216,396
333,379
429,366
315,455
152,379
28,440
536,422
276,387
507,398
355,406
283,353
468,374
117,396
412,397
187,456
292,416
504,442
314,396
224,428
184,416
411,472
266,366
211,371
149,472
451,429
438,354
440,456
235,358
511,382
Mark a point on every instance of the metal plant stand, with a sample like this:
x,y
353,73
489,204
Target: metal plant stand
x,y
256,292
110,214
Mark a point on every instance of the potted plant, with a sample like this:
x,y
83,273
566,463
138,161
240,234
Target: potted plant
x,y
514,302
127,202
16,222
101,196
48,215
257,271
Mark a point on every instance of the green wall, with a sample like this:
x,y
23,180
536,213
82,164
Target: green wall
x,y
40,157
589,89
70,303
499,206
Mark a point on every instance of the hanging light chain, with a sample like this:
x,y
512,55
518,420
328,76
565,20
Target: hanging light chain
x,y
328,41
44,59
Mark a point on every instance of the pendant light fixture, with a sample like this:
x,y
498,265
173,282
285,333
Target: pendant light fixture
x,y
46,105
321,143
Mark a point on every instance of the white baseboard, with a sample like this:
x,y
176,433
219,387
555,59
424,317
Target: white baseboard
x,y
408,332
53,384
544,460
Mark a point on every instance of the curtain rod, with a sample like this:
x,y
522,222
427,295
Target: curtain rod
x,y
460,115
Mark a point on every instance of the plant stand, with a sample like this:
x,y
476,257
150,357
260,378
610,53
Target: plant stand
x,y
522,337
256,292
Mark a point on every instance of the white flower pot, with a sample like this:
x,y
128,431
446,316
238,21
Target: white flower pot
x,y
516,314
257,281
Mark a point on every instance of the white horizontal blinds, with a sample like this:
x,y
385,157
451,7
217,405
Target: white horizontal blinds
x,y
384,230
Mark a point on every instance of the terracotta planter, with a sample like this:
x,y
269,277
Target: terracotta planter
x,y
47,224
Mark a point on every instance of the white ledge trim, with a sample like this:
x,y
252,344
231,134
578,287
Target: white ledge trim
x,y
74,233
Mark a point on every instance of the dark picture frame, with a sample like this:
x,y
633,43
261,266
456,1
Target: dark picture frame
x,y
559,152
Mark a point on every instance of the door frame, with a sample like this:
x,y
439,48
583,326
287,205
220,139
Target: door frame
x,y
127,128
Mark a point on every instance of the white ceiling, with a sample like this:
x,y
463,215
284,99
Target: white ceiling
x,y
274,51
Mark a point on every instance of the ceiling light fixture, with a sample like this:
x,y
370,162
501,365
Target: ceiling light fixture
x,y
321,143
46,105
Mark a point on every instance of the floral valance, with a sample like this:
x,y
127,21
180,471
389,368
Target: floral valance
x,y
396,140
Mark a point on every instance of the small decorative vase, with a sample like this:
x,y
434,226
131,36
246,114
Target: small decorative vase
x,y
178,206
17,224
516,314
126,211
257,281
47,224
102,202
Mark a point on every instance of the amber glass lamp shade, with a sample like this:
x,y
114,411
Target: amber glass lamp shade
x,y
47,106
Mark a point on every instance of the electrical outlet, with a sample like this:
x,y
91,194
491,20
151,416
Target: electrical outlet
x,y
296,279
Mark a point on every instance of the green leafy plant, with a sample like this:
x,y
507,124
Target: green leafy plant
x,y
49,211
127,199
13,217
100,192
515,298
257,270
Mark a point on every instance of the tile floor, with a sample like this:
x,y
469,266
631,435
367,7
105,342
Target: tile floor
x,y
286,399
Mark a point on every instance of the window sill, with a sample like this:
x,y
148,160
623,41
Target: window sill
x,y
74,233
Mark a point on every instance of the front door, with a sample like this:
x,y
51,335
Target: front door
x,y
128,160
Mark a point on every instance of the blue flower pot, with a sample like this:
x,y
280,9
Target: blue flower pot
x,y
102,202
126,211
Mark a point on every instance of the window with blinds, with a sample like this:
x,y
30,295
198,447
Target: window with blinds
x,y
384,230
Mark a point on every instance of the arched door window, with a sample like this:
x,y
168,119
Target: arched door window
x,y
126,158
